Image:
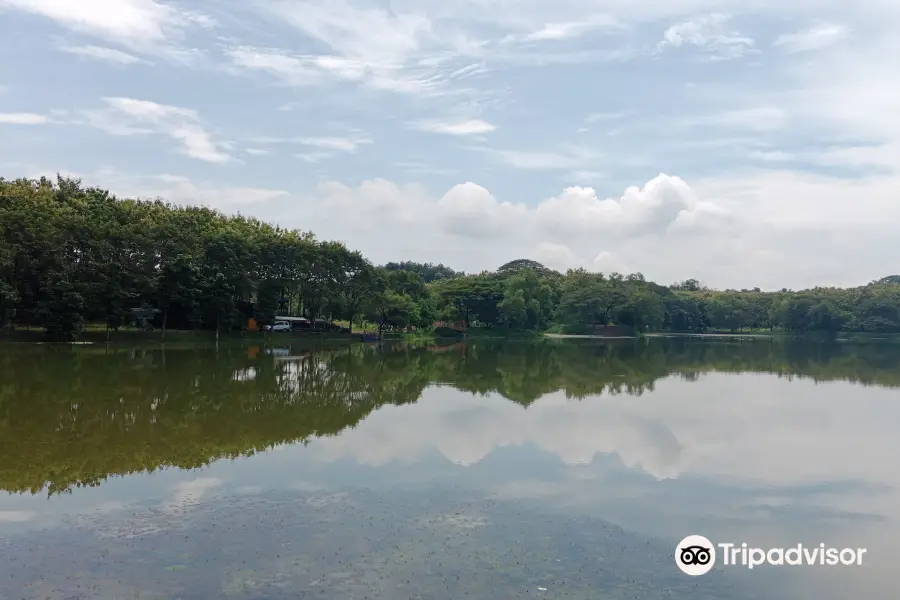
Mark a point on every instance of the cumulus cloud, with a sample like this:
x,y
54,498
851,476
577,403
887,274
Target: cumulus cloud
x,y
650,209
469,210
557,256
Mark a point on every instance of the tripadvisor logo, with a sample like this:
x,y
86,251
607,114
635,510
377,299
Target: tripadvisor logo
x,y
696,555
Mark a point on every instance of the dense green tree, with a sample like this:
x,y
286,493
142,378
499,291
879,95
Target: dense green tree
x,y
427,271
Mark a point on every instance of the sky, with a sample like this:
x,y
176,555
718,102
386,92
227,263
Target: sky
x,y
744,144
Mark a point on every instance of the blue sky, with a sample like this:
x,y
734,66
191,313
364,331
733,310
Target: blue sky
x,y
741,143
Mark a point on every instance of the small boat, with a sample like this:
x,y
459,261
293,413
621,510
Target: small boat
x,y
369,337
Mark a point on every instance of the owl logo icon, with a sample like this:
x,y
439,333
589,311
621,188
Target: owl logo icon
x,y
695,555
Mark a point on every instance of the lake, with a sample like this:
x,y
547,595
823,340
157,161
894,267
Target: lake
x,y
486,470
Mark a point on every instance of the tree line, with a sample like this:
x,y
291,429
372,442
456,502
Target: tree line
x,y
72,255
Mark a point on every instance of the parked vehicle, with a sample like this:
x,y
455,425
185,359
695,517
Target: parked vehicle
x,y
279,326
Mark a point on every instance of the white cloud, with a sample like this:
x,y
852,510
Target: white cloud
x,y
293,70
711,34
100,53
557,256
339,144
571,29
325,146
145,26
469,210
813,38
389,50
467,127
141,19
23,119
376,35
610,262
129,116
652,208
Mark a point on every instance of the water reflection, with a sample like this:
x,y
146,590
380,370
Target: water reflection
x,y
519,452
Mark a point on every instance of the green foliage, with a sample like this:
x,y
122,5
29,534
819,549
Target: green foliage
x,y
522,264
427,271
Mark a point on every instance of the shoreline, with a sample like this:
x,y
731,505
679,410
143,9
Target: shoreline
x,y
578,336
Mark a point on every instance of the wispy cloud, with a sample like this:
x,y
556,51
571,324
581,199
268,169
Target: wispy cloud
x,y
564,30
145,20
146,26
813,38
465,127
129,116
110,55
23,119
333,143
338,144
306,70
711,34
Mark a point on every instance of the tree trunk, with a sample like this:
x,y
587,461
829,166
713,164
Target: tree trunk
x,y
165,320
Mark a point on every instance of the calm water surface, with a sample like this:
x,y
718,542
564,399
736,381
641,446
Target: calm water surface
x,y
551,469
